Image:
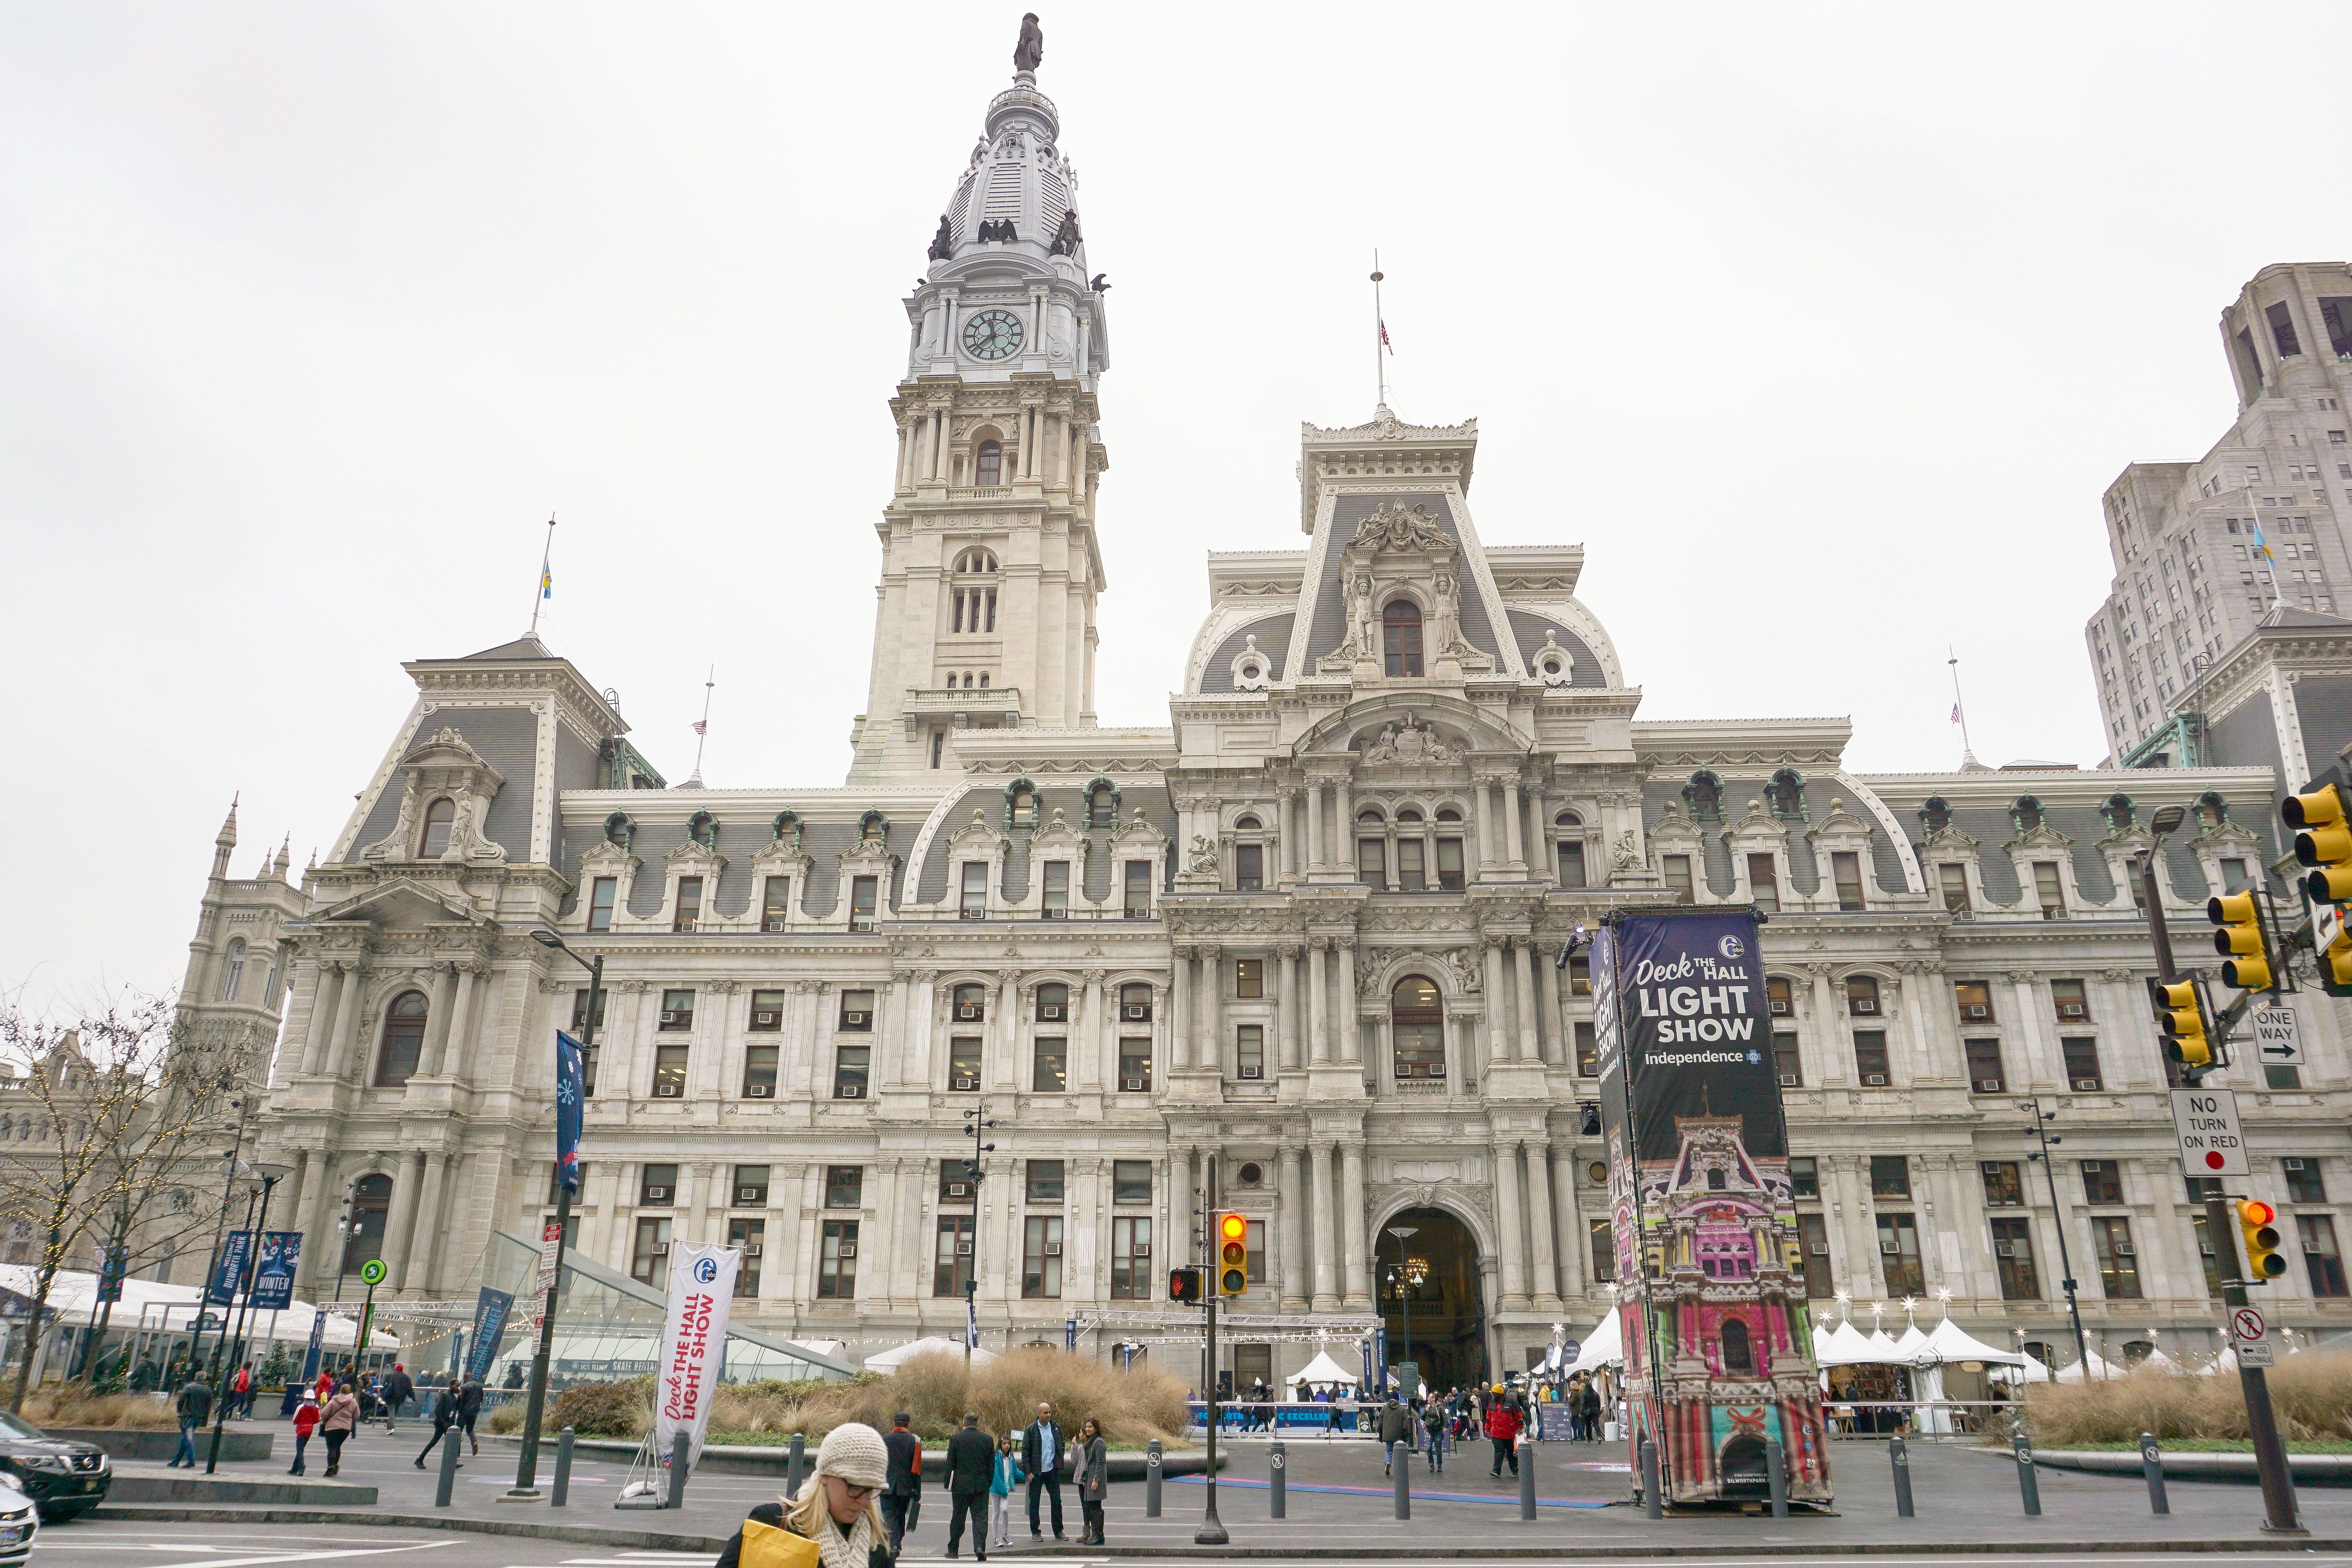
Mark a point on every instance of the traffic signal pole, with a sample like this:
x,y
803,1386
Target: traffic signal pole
x,y
1212,1529
2262,1422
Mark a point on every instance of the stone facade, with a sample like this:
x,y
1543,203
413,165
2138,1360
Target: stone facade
x,y
1309,927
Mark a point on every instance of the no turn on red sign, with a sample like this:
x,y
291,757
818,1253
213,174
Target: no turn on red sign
x,y
2211,1143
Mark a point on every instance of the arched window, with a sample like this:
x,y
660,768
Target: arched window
x,y
1053,1004
1021,804
369,1201
1408,815
976,561
1102,803
1245,824
439,818
988,467
1417,1022
276,974
1785,796
2118,813
1371,814
233,970
1716,1180
1704,795
1936,815
404,1040
983,680
1862,995
619,830
703,828
1739,1360
2212,811
2026,815
1400,636
971,1003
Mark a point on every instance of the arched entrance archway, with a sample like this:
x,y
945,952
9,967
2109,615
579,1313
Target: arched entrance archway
x,y
1446,1305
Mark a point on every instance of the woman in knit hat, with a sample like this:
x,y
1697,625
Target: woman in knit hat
x,y
834,1523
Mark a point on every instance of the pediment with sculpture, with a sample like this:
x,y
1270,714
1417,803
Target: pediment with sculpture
x,y
1401,551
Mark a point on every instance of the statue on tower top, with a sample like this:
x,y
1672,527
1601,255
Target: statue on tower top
x,y
1032,47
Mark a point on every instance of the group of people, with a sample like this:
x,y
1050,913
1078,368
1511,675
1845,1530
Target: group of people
x,y
866,1492
1431,1425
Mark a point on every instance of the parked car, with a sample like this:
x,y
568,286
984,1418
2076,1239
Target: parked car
x,y
60,1477
20,1522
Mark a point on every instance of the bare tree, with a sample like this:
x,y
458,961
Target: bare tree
x,y
104,1118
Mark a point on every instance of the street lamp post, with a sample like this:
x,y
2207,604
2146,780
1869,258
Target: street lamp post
x,y
979,1124
2040,1130
1405,1295
526,1487
271,1175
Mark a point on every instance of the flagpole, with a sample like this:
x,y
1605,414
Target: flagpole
x,y
1959,709
702,730
1379,333
540,591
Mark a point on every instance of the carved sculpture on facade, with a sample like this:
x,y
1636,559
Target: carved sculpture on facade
x,y
1409,741
1203,856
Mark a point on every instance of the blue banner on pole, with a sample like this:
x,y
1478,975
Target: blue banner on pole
x,y
491,1310
113,1262
229,1276
273,1276
312,1356
569,1092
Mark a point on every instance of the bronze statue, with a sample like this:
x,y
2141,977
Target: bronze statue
x,y
1067,238
943,242
1032,47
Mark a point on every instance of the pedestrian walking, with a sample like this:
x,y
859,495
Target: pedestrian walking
x,y
1044,1451
1503,1428
1094,1480
971,1467
336,1419
1434,1422
398,1390
194,1406
1396,1427
1002,1481
1588,1409
240,1403
902,1487
469,1404
445,1418
835,1511
306,1421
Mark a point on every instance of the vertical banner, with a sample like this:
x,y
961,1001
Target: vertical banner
x,y
491,1310
542,1294
273,1276
317,1350
570,1077
227,1278
971,1323
694,1327
113,1262
1718,1338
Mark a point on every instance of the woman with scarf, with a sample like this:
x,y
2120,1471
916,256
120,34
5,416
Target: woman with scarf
x,y
834,1523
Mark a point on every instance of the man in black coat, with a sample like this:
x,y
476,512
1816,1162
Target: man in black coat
x,y
1045,1452
398,1390
904,1488
971,1466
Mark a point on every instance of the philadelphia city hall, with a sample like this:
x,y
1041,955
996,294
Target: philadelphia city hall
x,y
1308,927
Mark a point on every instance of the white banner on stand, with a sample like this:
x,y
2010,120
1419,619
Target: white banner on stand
x,y
694,1334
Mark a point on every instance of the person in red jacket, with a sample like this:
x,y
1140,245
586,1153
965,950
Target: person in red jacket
x,y
306,1421
1503,1426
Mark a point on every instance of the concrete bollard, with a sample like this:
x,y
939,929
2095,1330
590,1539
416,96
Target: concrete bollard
x,y
796,1462
1403,1469
1653,1505
1277,1481
560,1493
1152,1481
2151,1464
2029,1485
447,1481
1526,1478
679,1451
1776,1476
1901,1457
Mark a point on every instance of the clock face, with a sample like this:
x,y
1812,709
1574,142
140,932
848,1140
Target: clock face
x,y
991,334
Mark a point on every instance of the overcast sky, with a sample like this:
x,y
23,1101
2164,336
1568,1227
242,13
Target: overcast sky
x,y
1822,330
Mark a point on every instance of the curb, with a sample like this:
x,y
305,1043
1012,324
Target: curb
x,y
593,1535
2307,1470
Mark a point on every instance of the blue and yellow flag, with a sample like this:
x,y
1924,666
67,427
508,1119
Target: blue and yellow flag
x,y
2262,545
546,582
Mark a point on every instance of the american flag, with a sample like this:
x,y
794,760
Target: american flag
x,y
1955,714
1385,338
701,727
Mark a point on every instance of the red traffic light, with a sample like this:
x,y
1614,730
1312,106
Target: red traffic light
x,y
1184,1285
2253,1211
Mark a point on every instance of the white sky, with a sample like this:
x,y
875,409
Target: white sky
x,y
1822,330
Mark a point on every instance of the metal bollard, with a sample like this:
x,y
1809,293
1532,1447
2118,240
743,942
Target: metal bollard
x,y
1652,1504
794,1462
1526,1478
2028,1484
1277,1480
560,1493
1900,1455
1776,1476
1402,1466
1152,1481
678,1450
449,1477
2151,1464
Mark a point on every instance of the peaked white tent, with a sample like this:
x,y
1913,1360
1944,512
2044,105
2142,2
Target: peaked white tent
x,y
2156,1358
1846,1347
1953,1343
1883,1348
2100,1367
1323,1369
1908,1346
2034,1371
1605,1348
930,1344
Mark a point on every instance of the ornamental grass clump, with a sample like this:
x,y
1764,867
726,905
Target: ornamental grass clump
x,y
2312,1393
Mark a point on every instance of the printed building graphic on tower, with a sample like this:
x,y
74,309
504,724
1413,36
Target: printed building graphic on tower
x,y
1718,1357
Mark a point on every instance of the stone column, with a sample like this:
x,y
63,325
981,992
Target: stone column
x,y
1180,1008
436,1022
1089,1043
1478,809
465,1018
1327,1245
347,1020
1286,1004
1514,837
1524,971
917,1240
1292,1218
1209,1046
1176,1247
1354,1229
402,1218
1313,826
1318,1033
1343,811
1575,1273
1514,1243
1007,1073
1498,1045
1551,1037
333,986
425,1242
1539,1229
1352,1033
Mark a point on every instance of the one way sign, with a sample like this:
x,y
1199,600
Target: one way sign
x,y
2210,1142
2277,1039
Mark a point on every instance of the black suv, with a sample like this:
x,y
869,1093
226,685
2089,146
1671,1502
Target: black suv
x,y
63,1478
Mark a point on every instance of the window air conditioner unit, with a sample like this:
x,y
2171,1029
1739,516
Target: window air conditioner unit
x,y
1865,1007
1135,1085
1788,1080
763,1020
2004,1249
2086,1084
963,1083
657,1195
1988,1086
963,1249
856,925
975,914
753,1249
759,1090
771,925
2292,1163
1819,1248
687,925
1404,1069
967,1012
1057,914
1139,1011
2073,1010
1250,1072
750,1195
668,1018
1437,1069
666,1091
1890,1248
1779,1007
660,1249
1050,1011
1875,1079
857,1020
2126,1249
850,1092
848,1249
1053,1249
2206,1247
1980,1012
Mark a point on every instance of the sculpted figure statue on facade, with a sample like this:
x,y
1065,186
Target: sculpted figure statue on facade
x,y
1410,741
1203,856
1469,977
1030,51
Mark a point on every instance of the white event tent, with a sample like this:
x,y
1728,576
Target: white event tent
x,y
1605,1348
1323,1369
930,1344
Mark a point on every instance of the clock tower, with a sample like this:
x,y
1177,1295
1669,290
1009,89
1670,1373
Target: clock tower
x,y
991,569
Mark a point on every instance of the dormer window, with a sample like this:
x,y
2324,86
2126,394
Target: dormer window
x,y
440,817
703,829
2118,813
1936,815
1704,795
1400,637
988,466
1786,796
2212,811
2026,813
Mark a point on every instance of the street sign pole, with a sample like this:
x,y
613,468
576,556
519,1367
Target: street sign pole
x,y
2262,1422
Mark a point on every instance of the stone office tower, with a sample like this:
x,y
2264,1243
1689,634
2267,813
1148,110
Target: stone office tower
x,y
1307,925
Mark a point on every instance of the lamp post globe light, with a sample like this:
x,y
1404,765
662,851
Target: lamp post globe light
x,y
1404,1297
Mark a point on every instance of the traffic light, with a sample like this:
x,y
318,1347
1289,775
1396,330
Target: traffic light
x,y
2181,1016
2323,841
2244,940
2263,1262
1184,1285
1232,1254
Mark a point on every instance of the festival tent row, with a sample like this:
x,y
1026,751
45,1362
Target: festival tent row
x,y
1605,1348
929,1345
